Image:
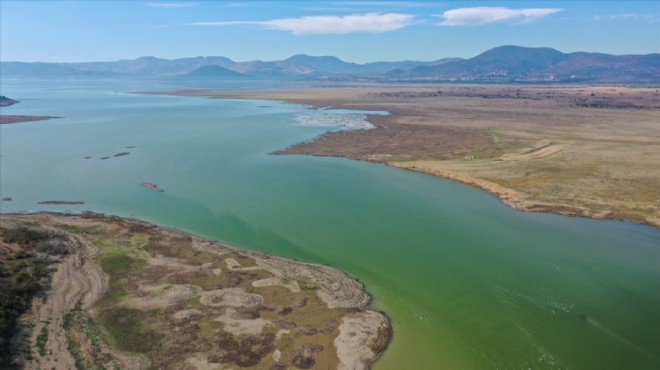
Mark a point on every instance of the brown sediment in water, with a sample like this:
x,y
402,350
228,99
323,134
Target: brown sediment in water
x,y
163,298
576,150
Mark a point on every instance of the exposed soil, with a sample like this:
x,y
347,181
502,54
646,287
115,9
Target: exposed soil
x,y
77,279
166,300
390,141
572,149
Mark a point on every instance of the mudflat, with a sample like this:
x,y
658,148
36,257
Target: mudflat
x,y
128,294
572,149
8,119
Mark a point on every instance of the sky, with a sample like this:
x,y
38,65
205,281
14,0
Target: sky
x,y
355,31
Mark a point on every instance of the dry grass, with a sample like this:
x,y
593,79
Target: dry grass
x,y
578,150
174,302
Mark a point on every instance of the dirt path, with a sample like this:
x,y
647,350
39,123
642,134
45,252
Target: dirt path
x,y
253,309
76,278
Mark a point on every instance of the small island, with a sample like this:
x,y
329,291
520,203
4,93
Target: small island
x,y
60,202
129,294
152,186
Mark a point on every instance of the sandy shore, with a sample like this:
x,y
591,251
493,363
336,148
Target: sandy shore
x,y
575,150
216,304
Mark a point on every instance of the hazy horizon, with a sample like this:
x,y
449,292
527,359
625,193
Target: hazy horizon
x,y
285,58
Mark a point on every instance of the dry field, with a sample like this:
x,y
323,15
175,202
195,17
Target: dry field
x,y
577,150
128,294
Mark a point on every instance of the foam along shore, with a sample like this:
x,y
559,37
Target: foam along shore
x,y
136,295
324,118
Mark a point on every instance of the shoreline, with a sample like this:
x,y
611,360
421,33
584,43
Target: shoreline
x,y
12,119
508,196
360,335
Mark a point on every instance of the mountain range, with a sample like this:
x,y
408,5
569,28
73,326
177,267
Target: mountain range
x,y
504,64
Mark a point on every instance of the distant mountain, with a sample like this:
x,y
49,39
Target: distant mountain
x,y
391,67
324,64
329,65
522,64
504,64
212,72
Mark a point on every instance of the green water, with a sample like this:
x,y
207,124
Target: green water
x,y
468,282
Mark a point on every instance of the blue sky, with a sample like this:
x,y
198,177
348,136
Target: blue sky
x,y
357,31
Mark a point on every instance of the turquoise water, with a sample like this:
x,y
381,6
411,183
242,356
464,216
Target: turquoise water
x,y
468,282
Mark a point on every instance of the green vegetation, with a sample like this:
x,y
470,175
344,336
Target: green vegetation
x,y
84,341
139,241
118,267
42,339
126,327
25,273
128,330
195,301
83,230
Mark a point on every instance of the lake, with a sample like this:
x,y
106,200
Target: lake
x,y
467,281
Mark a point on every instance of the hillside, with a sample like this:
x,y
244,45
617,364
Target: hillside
x,y
504,64
522,64
212,72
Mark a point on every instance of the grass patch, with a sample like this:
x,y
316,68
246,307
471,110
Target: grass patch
x,y
138,241
42,339
84,341
128,331
118,268
83,230
195,301
401,158
206,329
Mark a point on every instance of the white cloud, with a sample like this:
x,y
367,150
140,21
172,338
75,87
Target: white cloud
x,y
180,4
370,22
328,24
484,15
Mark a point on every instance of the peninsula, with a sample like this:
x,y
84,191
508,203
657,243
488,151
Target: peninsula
x,y
577,150
7,119
109,292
